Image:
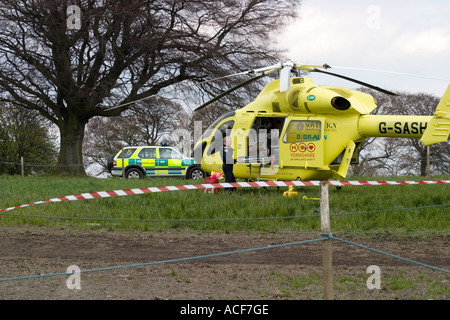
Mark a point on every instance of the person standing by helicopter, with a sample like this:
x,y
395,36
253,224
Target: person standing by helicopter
x,y
228,162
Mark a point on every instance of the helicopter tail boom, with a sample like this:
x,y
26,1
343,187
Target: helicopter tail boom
x,y
429,129
393,126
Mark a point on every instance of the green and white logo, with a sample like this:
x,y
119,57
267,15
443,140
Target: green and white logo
x,y
311,97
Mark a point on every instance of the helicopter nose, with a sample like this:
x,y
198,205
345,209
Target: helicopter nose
x,y
340,103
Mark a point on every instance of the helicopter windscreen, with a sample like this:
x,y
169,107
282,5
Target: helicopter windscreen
x,y
200,148
217,140
211,128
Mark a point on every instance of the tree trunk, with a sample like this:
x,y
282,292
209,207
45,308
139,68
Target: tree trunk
x,y
423,163
70,161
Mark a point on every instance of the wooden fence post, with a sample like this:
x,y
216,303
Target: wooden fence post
x,y
123,164
326,244
21,167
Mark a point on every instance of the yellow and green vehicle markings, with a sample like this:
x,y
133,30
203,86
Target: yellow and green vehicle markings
x,y
154,161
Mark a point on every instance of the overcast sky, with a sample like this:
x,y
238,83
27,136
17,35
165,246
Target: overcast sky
x,y
410,37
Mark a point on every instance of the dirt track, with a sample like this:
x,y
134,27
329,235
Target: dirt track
x,y
262,274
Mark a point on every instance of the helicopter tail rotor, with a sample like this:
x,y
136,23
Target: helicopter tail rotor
x,y
438,129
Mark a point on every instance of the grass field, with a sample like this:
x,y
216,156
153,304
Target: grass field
x,y
413,211
421,210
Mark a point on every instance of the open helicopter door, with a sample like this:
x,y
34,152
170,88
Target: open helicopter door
x,y
303,143
258,144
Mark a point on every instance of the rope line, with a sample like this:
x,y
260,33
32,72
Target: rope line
x,y
328,236
116,193
387,254
206,186
393,210
222,219
166,261
42,165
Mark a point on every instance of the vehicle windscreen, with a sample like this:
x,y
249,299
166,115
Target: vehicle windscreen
x,y
127,153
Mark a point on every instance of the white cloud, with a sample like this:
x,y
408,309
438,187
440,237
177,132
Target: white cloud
x,y
411,37
432,41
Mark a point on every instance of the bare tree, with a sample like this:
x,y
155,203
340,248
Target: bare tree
x,y
145,123
375,153
416,159
120,51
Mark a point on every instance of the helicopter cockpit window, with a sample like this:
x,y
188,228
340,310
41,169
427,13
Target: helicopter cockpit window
x,y
303,130
221,132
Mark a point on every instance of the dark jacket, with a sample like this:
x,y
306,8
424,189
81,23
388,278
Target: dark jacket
x,y
228,162
227,156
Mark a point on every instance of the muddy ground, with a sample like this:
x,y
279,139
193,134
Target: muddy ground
x,y
290,272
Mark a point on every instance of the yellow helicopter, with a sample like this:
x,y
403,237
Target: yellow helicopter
x,y
296,130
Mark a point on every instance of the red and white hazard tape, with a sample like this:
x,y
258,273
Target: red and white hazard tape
x,y
296,183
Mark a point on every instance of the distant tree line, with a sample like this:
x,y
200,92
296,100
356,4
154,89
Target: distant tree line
x,y
24,136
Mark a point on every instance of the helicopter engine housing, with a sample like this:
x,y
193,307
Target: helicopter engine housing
x,y
328,100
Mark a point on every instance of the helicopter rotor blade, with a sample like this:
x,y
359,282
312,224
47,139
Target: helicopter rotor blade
x,y
393,72
356,81
240,85
285,82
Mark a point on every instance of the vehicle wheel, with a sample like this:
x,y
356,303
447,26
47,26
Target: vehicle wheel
x,y
196,173
109,162
133,173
